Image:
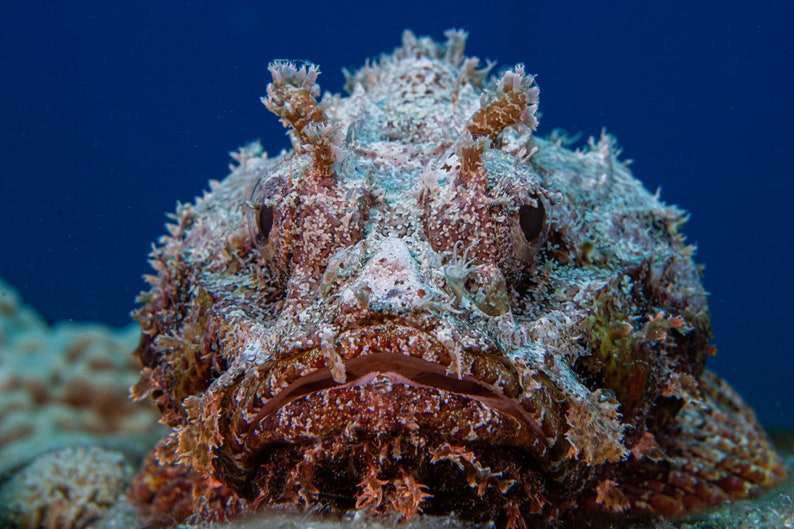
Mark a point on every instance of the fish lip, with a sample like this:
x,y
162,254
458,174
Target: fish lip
x,y
422,368
485,363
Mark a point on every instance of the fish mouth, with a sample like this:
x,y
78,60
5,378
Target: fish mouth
x,y
397,379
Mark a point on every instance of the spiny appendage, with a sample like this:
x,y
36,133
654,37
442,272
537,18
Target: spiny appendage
x,y
404,476
469,150
292,96
325,142
715,452
513,104
455,46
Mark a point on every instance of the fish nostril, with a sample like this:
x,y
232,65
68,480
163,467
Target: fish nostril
x,y
487,288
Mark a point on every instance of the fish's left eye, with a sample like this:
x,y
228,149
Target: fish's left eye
x,y
532,219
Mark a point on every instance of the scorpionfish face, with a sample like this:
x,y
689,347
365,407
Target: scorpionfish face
x,y
423,308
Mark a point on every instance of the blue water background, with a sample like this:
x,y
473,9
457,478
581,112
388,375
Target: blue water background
x,y
113,111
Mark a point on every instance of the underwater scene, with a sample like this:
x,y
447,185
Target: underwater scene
x,y
516,265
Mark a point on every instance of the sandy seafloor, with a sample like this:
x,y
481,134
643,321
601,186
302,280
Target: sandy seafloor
x,y
71,440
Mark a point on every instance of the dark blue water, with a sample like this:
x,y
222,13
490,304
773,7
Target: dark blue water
x,y
113,111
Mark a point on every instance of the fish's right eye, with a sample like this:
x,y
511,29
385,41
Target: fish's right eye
x,y
265,221
261,218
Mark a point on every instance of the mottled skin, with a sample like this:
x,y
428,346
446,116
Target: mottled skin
x,y
424,308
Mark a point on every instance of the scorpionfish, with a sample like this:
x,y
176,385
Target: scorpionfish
x,y
422,307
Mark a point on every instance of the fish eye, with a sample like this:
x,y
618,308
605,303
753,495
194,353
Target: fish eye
x,y
261,217
532,218
265,221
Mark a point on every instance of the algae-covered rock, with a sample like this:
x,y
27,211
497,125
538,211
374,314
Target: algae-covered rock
x,y
64,384
66,489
